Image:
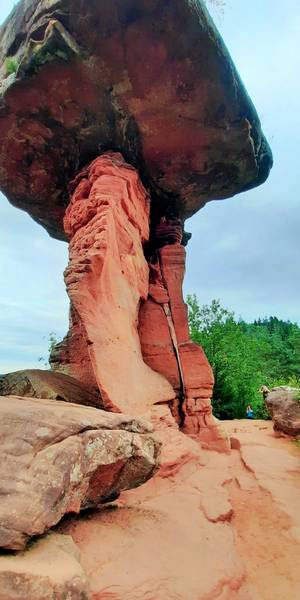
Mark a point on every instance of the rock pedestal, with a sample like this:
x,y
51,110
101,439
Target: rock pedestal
x,y
129,332
107,222
166,345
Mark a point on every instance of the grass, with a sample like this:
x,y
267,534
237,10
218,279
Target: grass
x,y
11,66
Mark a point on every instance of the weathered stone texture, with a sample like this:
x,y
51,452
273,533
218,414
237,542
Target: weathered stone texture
x,y
166,345
107,222
283,404
71,355
59,458
150,78
37,383
49,570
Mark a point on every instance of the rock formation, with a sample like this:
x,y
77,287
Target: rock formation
x,y
49,569
164,334
208,526
112,154
37,383
59,458
107,222
149,78
119,120
283,404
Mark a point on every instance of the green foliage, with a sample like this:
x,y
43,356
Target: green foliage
x,y
244,356
52,341
11,65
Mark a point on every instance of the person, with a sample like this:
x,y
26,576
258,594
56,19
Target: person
x,y
250,412
265,391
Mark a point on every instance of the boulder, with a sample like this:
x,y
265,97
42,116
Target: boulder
x,y
283,404
58,458
149,78
36,383
49,569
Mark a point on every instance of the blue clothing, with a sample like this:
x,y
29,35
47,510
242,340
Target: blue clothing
x,y
250,414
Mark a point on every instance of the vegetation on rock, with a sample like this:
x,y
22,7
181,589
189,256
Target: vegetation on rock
x,y
244,356
11,66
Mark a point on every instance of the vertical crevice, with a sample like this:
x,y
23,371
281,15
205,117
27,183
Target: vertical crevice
x,y
173,336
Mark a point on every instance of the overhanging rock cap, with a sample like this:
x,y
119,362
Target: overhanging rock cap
x,y
149,78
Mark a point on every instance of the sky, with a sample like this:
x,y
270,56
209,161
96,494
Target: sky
x,y
244,251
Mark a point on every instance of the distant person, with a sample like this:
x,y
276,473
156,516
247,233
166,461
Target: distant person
x,y
265,391
249,412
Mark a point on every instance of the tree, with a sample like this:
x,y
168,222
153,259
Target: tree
x,y
236,357
52,341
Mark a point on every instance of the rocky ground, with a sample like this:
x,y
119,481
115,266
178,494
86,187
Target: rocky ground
x,y
208,526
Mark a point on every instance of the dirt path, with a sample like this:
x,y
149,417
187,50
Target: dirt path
x,y
209,526
265,496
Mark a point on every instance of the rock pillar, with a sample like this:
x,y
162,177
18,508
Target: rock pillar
x,y
129,334
107,222
165,341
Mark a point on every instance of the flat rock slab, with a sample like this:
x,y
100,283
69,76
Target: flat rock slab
x,y
149,78
206,526
58,458
37,383
50,569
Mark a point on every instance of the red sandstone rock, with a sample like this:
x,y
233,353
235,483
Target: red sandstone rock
x,y
107,222
207,526
71,355
148,77
283,404
38,383
166,347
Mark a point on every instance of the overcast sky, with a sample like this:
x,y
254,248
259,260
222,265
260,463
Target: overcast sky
x,y
244,251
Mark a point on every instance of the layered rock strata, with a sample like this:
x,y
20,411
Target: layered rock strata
x,y
107,222
71,355
150,78
165,340
38,383
131,320
59,458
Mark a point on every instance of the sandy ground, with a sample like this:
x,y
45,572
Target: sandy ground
x,y
209,526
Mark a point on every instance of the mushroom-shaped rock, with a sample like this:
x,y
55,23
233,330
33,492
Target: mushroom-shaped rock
x,y
118,120
149,78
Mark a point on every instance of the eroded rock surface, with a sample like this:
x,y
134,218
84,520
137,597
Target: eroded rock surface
x,y
207,526
107,222
283,404
140,356
150,78
37,383
59,458
166,344
50,569
71,355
